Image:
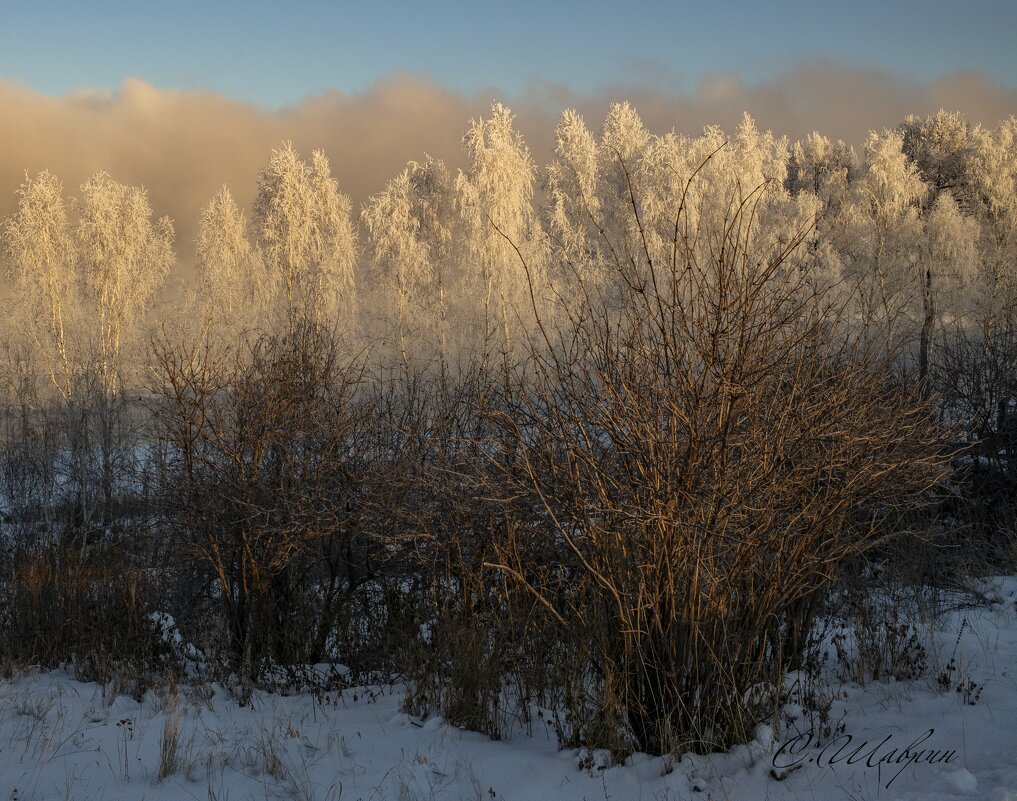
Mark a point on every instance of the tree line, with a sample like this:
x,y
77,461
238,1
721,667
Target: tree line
x,y
918,233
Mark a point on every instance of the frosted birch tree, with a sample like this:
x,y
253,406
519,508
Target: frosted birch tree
x,y
333,239
303,226
992,174
637,201
573,196
495,198
124,259
746,169
410,228
691,187
623,144
596,194
233,284
822,167
39,245
825,170
949,273
880,238
939,146
435,205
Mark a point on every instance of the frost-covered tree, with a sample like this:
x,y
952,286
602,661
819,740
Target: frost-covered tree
x,y
751,171
124,258
636,201
821,167
333,239
623,144
283,214
939,146
39,245
410,228
984,356
691,184
879,239
992,174
495,199
598,191
573,194
948,272
435,205
303,226
234,286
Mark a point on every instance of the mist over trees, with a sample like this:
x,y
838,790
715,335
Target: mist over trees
x,y
602,435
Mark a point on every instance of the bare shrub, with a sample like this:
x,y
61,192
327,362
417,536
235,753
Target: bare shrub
x,y
447,520
975,374
477,656
90,607
265,458
699,458
879,636
75,584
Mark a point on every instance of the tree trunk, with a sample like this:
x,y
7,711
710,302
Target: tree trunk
x,y
929,310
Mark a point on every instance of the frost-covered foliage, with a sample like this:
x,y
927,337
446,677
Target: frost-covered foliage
x,y
39,244
124,259
573,189
234,285
303,227
88,283
939,146
877,236
635,198
501,247
917,235
950,257
410,231
821,167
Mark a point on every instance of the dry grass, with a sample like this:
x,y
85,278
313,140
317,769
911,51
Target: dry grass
x,y
171,756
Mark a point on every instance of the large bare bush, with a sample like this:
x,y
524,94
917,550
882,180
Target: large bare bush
x,y
265,456
702,454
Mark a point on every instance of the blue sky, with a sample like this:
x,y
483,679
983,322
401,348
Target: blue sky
x,y
275,53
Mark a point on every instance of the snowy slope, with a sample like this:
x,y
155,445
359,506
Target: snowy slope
x,y
60,739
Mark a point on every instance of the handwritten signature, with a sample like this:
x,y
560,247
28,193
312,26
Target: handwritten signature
x,y
794,753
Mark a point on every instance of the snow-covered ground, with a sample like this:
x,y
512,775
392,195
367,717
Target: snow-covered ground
x,y
924,739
